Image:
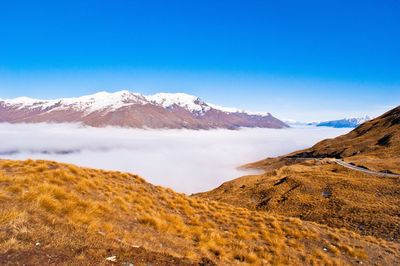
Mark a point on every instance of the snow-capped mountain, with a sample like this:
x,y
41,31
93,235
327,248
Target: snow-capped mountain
x,y
341,123
128,109
189,102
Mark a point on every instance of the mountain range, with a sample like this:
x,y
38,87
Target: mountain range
x,y
129,109
341,123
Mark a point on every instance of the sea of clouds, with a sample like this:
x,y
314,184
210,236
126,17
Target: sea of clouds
x,y
188,161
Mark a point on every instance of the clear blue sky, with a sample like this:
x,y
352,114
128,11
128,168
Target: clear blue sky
x,y
304,60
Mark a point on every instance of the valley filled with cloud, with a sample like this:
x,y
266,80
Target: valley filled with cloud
x,y
187,161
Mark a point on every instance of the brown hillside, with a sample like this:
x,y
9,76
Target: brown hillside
x,y
58,214
375,145
322,191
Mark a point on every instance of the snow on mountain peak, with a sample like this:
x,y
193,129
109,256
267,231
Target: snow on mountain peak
x,y
187,101
236,110
114,100
88,103
345,122
363,119
104,100
22,102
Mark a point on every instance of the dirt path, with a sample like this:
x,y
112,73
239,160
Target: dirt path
x,y
360,169
350,166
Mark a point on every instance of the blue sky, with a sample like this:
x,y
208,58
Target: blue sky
x,y
304,60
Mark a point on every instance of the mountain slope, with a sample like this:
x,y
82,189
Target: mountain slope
x,y
308,185
375,145
60,214
127,109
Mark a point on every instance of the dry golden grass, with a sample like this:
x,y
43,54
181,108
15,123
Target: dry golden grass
x,y
82,216
323,192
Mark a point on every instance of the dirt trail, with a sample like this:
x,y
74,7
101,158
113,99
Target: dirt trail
x,y
350,166
360,169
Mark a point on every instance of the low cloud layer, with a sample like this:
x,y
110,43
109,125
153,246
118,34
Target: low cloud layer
x,y
185,160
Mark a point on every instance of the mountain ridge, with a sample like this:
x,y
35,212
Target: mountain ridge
x,y
129,109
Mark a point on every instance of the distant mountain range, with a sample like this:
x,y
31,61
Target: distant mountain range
x,y
340,123
129,109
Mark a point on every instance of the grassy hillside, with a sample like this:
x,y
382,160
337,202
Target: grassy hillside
x,y
53,213
321,191
375,145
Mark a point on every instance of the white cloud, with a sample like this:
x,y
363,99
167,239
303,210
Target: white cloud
x,y
185,160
